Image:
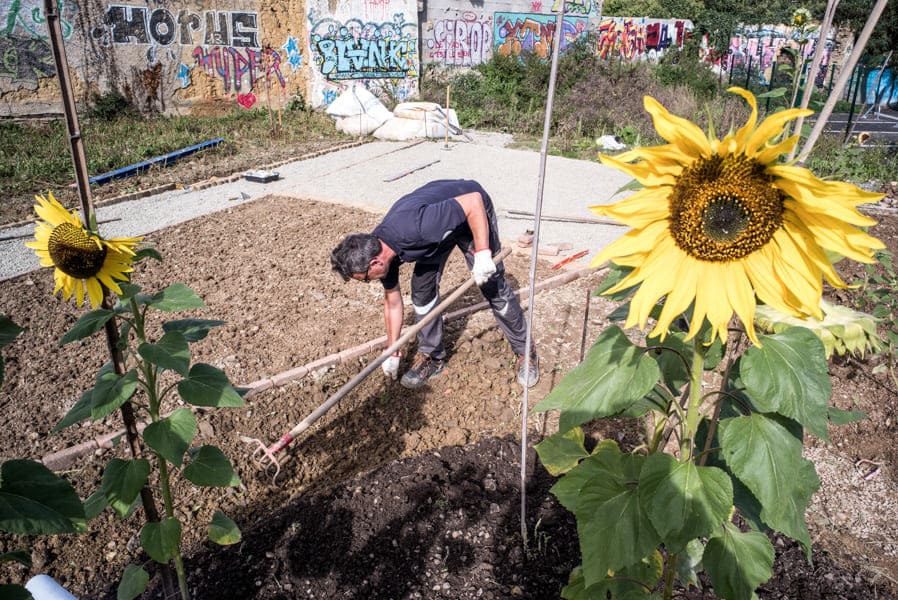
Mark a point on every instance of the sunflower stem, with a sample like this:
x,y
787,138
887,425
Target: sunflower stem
x,y
693,417
165,481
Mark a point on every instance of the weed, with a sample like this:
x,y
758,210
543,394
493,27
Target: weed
x,y
877,295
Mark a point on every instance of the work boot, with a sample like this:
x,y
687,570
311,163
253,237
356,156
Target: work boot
x,y
530,377
423,369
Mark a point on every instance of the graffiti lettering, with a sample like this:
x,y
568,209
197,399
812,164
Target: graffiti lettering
x,y
633,38
233,65
462,42
138,25
519,33
29,16
358,50
764,46
25,60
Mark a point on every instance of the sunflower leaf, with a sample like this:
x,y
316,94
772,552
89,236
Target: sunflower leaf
x,y
8,330
36,501
562,452
207,386
122,481
567,488
843,417
789,376
608,508
171,436
170,352
133,584
110,392
23,557
193,330
161,539
629,583
147,253
211,468
738,562
95,504
77,413
176,297
614,374
13,591
223,531
87,325
765,455
682,500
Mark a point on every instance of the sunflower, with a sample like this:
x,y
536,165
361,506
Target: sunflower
x,y
83,261
721,223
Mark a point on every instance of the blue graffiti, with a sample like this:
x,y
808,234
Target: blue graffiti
x,y
886,92
184,75
294,56
328,96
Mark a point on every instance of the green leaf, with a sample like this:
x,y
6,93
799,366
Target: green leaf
x,y
683,501
689,564
789,376
738,562
223,531
133,584
176,297
193,330
79,412
774,93
210,467
87,325
110,392
567,489
95,504
208,386
8,331
614,374
171,352
161,540
12,591
672,356
122,482
767,458
631,583
171,436
561,452
36,501
616,274
129,290
23,557
843,417
147,253
608,509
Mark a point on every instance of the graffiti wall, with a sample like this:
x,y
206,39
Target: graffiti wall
x,y
161,56
759,48
458,39
881,88
515,34
373,43
642,38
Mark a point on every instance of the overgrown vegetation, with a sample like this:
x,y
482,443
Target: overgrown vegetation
x,y
115,137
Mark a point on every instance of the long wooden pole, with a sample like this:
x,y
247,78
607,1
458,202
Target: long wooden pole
x,y
844,76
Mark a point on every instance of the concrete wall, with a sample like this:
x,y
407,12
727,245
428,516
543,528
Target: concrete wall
x,y
184,56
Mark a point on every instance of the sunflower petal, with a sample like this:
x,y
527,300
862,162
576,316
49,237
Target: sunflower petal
x,y
677,130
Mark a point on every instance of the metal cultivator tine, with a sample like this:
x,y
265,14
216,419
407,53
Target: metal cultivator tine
x,y
265,457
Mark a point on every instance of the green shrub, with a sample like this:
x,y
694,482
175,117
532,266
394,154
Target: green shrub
x,y
109,106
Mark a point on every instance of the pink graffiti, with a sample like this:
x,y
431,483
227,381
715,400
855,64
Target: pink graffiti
x,y
235,64
246,100
631,38
536,6
462,42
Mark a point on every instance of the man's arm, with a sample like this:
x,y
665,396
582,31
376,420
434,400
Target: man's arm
x,y
393,312
472,205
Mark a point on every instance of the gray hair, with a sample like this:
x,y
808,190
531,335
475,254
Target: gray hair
x,y
354,254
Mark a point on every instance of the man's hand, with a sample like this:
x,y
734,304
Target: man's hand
x,y
391,366
484,267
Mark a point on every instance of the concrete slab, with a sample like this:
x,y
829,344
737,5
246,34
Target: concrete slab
x,y
372,176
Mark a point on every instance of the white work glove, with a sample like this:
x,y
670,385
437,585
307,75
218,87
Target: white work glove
x,y
484,267
391,366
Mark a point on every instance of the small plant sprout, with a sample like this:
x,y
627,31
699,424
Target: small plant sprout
x,y
144,374
720,228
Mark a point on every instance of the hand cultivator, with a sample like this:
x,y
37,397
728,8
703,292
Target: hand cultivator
x,y
265,456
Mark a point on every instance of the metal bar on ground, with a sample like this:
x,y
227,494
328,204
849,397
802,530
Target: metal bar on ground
x,y
163,160
410,171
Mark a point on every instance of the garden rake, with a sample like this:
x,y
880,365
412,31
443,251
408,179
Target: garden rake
x,y
265,456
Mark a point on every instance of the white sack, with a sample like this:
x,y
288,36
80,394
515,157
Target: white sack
x,y
358,125
358,101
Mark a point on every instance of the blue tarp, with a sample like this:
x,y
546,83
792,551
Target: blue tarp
x,y
164,160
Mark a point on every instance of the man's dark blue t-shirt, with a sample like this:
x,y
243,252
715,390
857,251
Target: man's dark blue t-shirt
x,y
427,223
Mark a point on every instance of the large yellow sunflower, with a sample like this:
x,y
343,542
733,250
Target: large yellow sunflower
x,y
83,261
721,222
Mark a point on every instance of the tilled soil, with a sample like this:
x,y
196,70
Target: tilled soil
x,y
394,493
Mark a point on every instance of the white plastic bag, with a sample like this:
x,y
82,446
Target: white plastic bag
x,y
357,125
355,101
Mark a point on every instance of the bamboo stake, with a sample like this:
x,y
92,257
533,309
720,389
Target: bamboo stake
x,y
446,143
847,70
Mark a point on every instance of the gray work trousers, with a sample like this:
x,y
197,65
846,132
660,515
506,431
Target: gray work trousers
x,y
505,306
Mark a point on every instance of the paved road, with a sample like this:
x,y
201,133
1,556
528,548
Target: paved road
x,y
882,125
373,176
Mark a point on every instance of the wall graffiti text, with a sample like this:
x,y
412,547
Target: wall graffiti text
x,y
234,65
358,50
515,34
139,25
466,41
633,38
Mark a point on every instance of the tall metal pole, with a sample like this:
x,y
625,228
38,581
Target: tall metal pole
x,y
558,38
79,161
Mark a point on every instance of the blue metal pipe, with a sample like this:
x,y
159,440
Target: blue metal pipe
x,y
163,160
